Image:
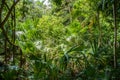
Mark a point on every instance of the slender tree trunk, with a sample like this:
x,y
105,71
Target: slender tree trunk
x,y
5,41
115,33
13,36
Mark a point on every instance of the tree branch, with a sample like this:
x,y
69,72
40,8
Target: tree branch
x,y
8,14
1,8
3,30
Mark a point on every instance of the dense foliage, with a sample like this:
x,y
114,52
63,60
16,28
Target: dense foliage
x,y
59,40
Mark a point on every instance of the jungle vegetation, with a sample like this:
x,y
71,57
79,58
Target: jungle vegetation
x,y
59,40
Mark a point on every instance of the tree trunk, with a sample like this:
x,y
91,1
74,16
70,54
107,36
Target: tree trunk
x,y
115,33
